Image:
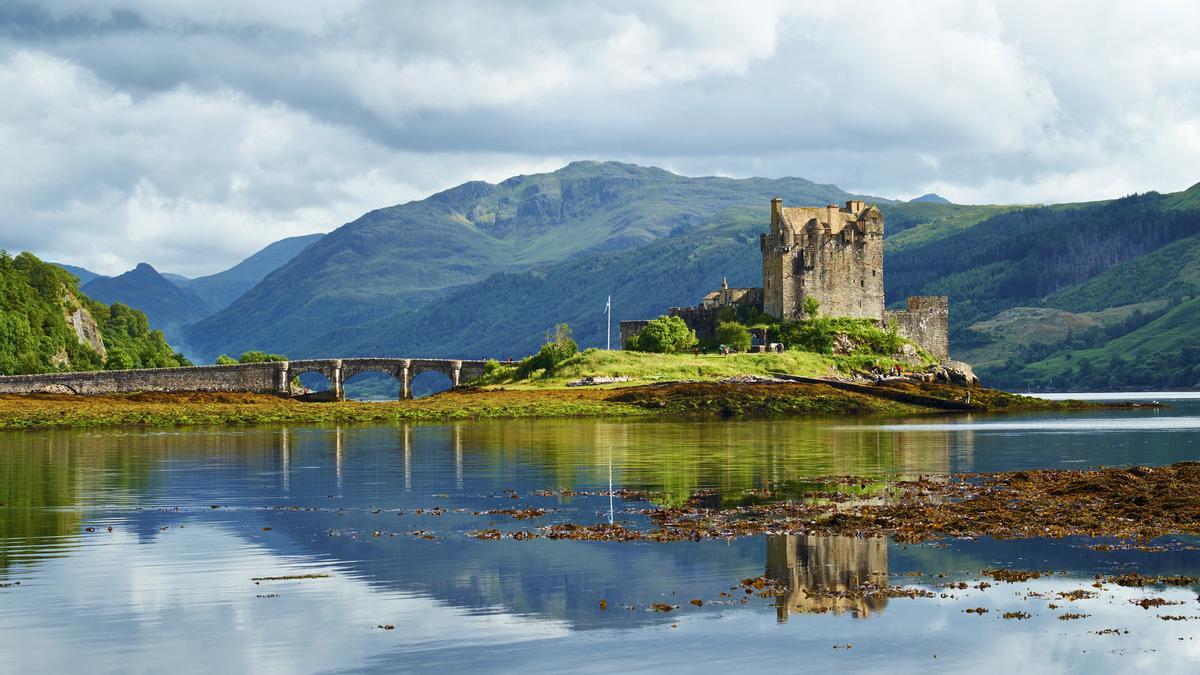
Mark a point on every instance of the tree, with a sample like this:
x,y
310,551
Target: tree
x,y
226,360
733,335
664,335
560,345
812,307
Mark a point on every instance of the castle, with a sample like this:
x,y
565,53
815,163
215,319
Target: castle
x,y
831,254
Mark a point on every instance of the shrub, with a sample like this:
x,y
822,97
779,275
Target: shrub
x,y
733,335
260,357
560,346
664,335
812,307
226,360
817,335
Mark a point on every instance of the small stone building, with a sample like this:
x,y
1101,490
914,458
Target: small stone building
x,y
833,254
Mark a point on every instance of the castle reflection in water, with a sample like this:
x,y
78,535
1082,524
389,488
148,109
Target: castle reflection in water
x,y
828,574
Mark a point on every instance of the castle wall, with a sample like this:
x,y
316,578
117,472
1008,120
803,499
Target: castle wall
x,y
703,320
925,322
628,329
833,255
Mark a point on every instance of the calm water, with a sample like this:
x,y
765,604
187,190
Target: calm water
x,y
199,518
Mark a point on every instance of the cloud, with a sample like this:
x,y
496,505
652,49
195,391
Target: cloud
x,y
190,133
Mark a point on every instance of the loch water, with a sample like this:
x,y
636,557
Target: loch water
x,y
323,549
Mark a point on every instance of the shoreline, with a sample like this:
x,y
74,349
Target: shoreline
x,y
664,400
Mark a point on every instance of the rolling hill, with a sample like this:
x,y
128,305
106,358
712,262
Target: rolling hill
x,y
398,259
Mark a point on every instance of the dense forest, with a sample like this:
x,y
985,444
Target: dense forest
x,y
36,301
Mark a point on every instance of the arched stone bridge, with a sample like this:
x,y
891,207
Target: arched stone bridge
x,y
254,378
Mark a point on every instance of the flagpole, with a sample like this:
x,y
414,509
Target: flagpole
x,y
608,306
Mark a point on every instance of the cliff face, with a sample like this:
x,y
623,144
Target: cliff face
x,y
84,325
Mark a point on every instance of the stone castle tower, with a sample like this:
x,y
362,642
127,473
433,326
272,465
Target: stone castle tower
x,y
829,253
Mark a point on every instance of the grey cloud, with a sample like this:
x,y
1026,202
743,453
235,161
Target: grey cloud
x,y
188,134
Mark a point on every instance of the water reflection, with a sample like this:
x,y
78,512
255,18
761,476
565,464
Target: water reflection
x,y
828,574
331,499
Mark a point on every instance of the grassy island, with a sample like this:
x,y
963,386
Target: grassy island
x,y
707,398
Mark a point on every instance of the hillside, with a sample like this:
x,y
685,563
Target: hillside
x,y
220,290
506,314
83,275
1020,257
1163,354
167,306
49,325
400,258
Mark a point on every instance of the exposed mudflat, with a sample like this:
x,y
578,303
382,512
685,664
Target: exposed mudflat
x,y
1138,503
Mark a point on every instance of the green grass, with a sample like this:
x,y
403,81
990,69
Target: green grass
x,y
647,368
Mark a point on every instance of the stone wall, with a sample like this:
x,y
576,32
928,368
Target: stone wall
x,y
925,322
628,329
253,378
258,378
700,319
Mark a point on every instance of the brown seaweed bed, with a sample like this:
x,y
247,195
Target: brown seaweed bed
x,y
1137,502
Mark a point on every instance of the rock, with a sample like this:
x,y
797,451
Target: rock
x,y
955,372
842,344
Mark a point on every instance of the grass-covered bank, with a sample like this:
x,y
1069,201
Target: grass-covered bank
x,y
664,399
645,368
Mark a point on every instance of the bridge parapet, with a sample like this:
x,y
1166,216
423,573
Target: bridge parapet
x,y
254,378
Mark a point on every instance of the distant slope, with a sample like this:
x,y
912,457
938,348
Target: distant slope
x,y
48,325
221,289
1162,354
930,198
1020,257
400,258
166,305
84,275
1171,271
508,313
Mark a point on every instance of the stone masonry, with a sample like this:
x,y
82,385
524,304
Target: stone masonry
x,y
925,323
253,378
832,254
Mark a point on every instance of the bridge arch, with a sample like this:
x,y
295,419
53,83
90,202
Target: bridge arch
x,y
357,384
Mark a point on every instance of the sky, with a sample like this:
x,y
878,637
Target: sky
x,y
190,133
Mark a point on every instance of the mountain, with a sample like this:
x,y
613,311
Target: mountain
x,y
221,289
930,198
484,270
84,275
400,258
49,325
167,306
